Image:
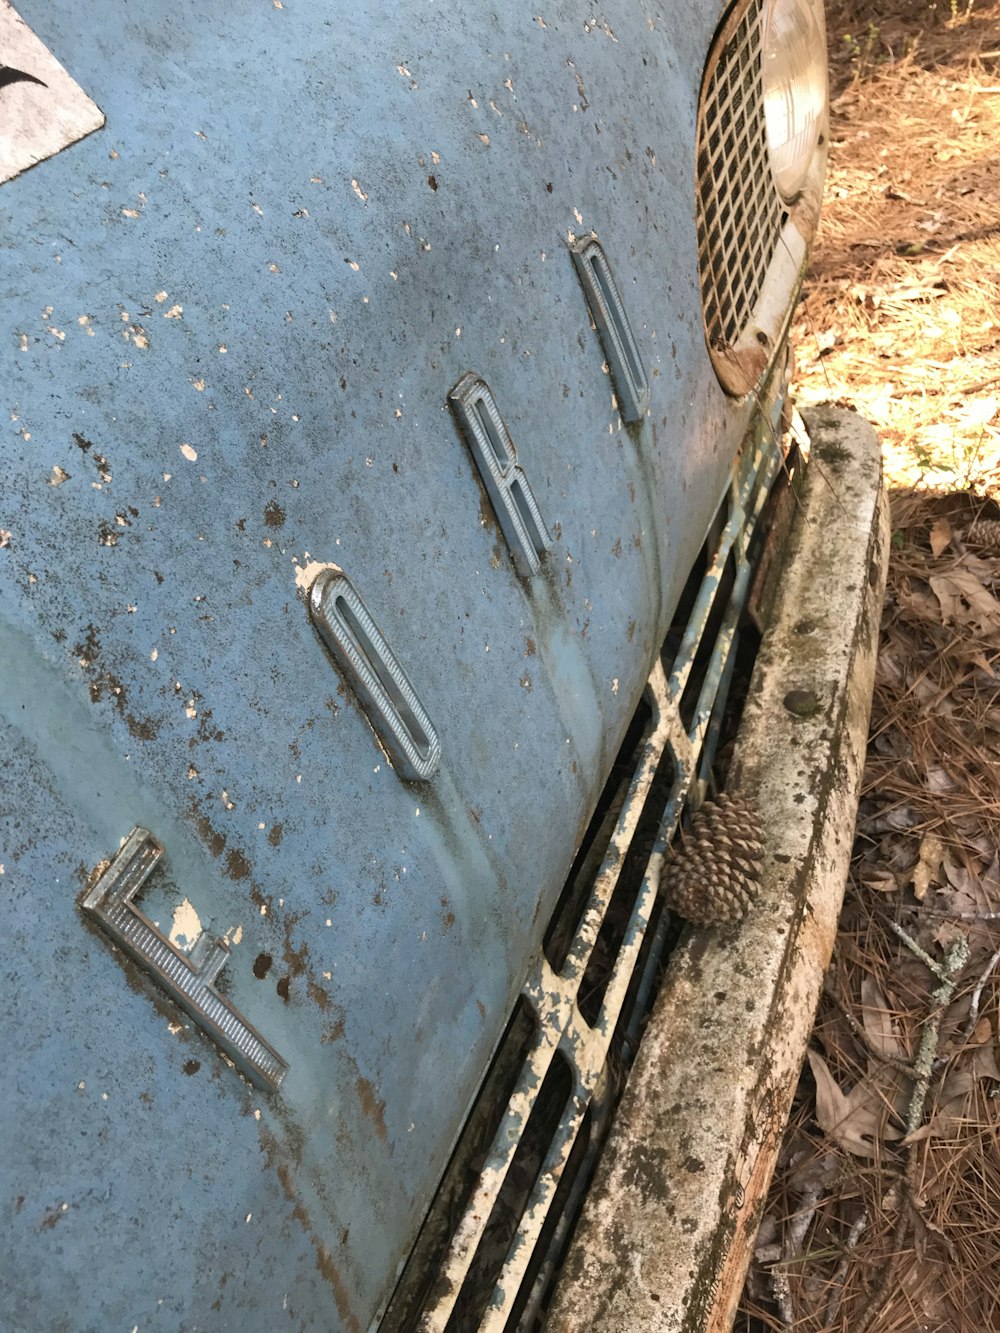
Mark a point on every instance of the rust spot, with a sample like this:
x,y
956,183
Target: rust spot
x,y
324,1259
325,1264
486,515
372,1107
274,515
317,994
530,647
107,684
262,965
295,959
52,1217
432,182
192,1066
237,866
630,631
282,987
274,837
261,899
214,841
141,728
333,1031
616,550
288,1186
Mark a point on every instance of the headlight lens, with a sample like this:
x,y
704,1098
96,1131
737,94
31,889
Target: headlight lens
x,y
794,59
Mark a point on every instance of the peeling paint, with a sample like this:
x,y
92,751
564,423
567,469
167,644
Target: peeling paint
x,y
186,926
306,575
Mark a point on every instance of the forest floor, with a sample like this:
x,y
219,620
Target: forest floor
x,y
884,1213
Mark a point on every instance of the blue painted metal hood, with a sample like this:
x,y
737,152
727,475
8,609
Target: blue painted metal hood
x,y
233,317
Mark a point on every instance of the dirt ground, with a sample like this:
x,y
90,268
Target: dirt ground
x,y
885,1209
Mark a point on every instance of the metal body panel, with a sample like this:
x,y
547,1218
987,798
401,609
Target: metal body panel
x,y
233,319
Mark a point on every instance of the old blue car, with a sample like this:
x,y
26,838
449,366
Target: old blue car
x,y
396,493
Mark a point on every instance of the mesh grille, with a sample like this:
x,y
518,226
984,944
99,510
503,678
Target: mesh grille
x,y
740,214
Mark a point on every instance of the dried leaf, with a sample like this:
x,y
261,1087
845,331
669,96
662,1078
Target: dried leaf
x,y
879,880
896,820
983,1031
959,878
991,881
984,1062
926,869
854,1120
970,894
831,1105
877,1021
965,602
957,1085
978,411
938,780
947,933
940,537
918,1135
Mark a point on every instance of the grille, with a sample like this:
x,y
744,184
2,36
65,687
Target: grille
x,y
496,1230
739,210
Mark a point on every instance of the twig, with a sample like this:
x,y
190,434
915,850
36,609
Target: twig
x,y
928,962
837,1294
792,1249
973,1019
801,1222
955,959
960,916
977,995
783,1297
884,1290
948,972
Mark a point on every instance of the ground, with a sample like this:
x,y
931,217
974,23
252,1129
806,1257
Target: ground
x,y
885,1209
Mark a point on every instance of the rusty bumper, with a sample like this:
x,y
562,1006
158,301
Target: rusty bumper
x,y
666,1234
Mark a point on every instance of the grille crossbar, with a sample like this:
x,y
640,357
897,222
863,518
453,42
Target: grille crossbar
x,y
562,1033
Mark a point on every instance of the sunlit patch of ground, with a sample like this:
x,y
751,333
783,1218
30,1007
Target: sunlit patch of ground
x,y
884,1213
901,318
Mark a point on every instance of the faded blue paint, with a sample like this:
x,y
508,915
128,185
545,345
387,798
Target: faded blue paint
x,y
393,1009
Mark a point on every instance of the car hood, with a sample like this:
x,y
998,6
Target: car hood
x,y
234,316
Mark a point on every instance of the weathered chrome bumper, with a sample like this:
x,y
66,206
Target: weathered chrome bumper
x,y
668,1227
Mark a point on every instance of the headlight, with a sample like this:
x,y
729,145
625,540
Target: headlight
x,y
793,55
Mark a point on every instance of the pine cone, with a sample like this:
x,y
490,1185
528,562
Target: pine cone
x,y
714,870
984,532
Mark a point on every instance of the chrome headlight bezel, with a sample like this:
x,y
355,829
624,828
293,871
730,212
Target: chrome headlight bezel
x,y
752,239
794,77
